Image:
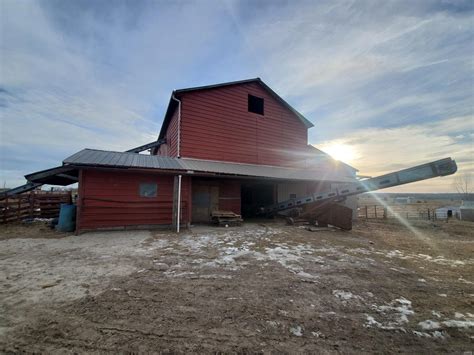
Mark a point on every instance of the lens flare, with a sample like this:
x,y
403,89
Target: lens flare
x,y
340,151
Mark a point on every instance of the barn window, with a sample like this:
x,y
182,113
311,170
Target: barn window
x,y
255,104
292,196
148,190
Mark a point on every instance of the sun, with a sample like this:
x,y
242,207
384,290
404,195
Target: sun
x,y
340,151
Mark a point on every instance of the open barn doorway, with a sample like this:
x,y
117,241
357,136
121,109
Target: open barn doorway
x,y
256,195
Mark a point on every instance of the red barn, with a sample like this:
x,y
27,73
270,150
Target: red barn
x,y
234,146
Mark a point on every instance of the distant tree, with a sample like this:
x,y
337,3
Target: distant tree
x,y
463,183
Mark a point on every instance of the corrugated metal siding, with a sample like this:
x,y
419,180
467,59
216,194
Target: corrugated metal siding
x,y
217,126
111,199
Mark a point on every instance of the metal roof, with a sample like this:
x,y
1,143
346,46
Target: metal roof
x,y
101,158
122,159
173,104
60,175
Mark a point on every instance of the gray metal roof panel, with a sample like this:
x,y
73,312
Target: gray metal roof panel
x,y
260,170
134,160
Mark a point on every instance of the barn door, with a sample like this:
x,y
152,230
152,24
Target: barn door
x,y
205,200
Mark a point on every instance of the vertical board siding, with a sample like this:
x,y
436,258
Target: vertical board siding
x,y
170,148
229,192
216,125
112,199
230,196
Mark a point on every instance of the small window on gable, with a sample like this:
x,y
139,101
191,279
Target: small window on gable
x,y
255,104
292,196
148,190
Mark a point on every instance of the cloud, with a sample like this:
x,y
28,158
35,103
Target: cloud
x,y
99,74
353,64
382,150
90,75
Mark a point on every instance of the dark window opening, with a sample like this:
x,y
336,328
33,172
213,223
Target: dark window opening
x,y
292,196
148,190
255,104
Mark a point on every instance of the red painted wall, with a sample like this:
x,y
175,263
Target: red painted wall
x,y
216,125
112,199
170,149
229,196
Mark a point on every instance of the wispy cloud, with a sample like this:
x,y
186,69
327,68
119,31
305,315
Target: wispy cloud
x,y
98,74
382,150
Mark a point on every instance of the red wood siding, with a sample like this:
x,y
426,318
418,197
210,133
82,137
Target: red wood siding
x,y
216,125
229,196
170,149
111,199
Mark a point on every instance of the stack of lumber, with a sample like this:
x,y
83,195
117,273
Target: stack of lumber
x,y
226,218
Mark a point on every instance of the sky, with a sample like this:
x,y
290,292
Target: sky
x,y
387,84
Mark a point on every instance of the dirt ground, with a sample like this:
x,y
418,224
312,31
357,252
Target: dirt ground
x,y
382,287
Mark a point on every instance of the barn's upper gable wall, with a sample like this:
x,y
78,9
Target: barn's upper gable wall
x,y
217,125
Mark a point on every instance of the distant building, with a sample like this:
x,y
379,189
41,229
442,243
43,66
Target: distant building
x,y
447,212
403,200
467,211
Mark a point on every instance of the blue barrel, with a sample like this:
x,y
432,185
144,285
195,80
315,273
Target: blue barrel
x,y
67,218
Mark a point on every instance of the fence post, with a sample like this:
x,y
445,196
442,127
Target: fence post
x,y
429,215
375,211
32,201
5,211
366,214
385,213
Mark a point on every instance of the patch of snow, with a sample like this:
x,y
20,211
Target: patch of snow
x,y
442,295
435,335
394,253
429,325
459,315
214,276
180,274
459,323
273,323
438,335
436,314
421,280
424,256
371,322
462,279
297,331
397,311
421,334
316,334
306,275
345,295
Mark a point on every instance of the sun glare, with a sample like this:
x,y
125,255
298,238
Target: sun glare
x,y
340,151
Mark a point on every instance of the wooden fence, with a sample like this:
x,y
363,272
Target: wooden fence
x,y
34,204
395,211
